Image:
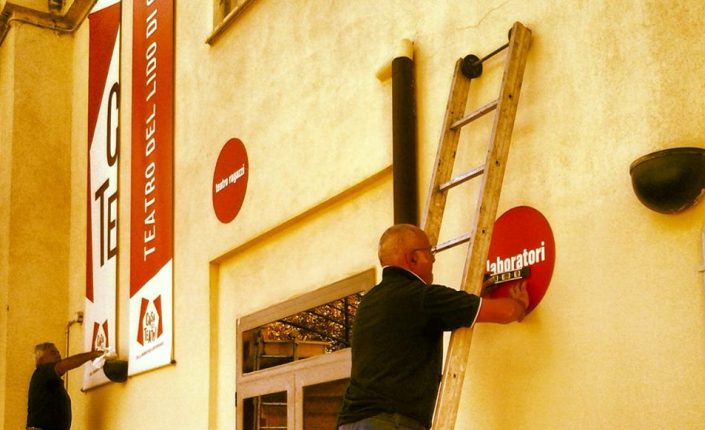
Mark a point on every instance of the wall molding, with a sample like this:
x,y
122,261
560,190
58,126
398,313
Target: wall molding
x,y
69,22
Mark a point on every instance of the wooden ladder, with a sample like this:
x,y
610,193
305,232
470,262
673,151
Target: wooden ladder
x,y
492,173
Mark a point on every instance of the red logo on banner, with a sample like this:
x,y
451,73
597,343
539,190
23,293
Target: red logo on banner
x,y
230,180
150,327
521,239
100,335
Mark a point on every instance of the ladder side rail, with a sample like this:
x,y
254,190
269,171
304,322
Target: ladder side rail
x,y
461,339
445,156
498,154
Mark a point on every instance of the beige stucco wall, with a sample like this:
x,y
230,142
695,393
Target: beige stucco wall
x,y
6,83
36,153
619,339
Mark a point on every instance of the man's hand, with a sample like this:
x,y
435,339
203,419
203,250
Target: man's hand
x,y
518,292
487,282
505,310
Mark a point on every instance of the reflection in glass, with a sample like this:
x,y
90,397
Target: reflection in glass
x,y
322,403
316,331
266,412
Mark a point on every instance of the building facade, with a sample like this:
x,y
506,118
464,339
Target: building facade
x,y
618,340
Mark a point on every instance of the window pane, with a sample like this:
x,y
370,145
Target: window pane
x,y
265,412
316,331
322,403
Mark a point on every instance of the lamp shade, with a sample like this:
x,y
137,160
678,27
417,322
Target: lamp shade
x,y
115,370
671,180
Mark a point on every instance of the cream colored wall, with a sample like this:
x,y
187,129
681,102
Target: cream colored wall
x,y
619,339
6,84
641,336
621,329
36,151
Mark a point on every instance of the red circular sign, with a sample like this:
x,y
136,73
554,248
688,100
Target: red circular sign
x,y
522,238
230,180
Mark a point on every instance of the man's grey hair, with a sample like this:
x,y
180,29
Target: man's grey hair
x,y
39,350
395,239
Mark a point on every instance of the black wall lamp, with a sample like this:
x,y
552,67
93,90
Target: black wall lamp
x,y
55,5
671,180
115,370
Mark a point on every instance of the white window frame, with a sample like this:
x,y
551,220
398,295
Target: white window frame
x,y
293,377
223,19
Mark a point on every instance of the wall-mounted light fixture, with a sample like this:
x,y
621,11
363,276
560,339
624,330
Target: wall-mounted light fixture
x,y
115,370
671,180
55,5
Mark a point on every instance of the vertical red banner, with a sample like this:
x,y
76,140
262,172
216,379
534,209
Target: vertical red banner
x,y
151,212
102,182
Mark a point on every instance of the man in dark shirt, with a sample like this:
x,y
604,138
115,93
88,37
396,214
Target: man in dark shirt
x,y
397,343
49,405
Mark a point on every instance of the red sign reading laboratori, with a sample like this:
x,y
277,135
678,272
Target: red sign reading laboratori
x,y
522,237
230,180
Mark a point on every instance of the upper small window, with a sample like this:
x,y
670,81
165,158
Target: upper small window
x,y
226,6
224,13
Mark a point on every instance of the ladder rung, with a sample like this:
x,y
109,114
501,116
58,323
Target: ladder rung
x,y
476,171
496,51
451,243
477,113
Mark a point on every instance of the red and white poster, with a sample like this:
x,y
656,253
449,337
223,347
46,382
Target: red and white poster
x,y
102,199
151,208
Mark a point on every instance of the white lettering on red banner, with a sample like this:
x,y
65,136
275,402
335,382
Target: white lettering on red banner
x,y
151,235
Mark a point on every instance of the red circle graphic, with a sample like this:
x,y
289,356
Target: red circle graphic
x,y
522,237
230,180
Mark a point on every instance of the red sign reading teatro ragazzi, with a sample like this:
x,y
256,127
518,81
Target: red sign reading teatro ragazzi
x,y
230,180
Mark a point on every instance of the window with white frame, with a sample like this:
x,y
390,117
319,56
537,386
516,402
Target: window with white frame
x,y
224,13
294,358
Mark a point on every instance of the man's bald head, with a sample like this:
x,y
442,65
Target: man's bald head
x,y
396,241
407,246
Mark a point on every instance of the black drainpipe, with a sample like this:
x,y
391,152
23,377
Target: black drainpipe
x,y
404,141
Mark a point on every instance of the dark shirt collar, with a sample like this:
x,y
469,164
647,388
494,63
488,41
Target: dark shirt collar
x,y
390,270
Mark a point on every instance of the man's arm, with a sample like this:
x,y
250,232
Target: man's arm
x,y
507,309
74,361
